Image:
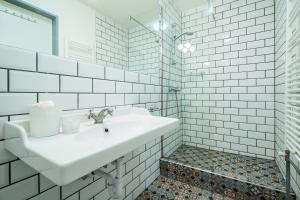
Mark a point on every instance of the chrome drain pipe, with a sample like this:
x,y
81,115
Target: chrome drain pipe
x,y
114,182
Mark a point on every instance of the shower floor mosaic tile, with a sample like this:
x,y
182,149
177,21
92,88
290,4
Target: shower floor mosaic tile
x,y
163,188
233,176
254,170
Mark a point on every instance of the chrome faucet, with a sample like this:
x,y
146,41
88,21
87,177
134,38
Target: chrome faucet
x,y
98,118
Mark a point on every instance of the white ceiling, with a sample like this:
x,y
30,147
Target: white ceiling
x,y
183,5
144,10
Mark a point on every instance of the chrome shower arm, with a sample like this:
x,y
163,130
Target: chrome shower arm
x,y
186,33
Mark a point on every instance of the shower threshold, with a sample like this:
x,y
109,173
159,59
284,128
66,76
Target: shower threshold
x,y
234,176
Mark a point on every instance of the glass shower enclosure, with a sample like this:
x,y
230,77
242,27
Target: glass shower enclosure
x,y
171,73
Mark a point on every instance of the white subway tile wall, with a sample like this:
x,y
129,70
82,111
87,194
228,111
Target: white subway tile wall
x,y
16,103
85,89
116,99
4,173
111,43
228,95
280,62
21,190
131,77
20,81
123,87
2,121
91,100
17,58
3,80
76,84
64,101
90,70
144,78
104,86
20,170
56,65
134,49
5,156
114,74
144,51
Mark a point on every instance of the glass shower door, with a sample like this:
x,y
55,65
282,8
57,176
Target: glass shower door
x,y
171,73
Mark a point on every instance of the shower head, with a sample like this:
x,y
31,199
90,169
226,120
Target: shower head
x,y
185,33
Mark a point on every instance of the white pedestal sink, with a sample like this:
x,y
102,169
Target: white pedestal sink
x,y
64,158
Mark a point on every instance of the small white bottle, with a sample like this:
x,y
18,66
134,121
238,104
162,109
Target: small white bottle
x,y
70,124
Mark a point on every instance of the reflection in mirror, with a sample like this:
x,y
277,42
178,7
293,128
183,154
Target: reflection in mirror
x,y
127,34
120,34
38,27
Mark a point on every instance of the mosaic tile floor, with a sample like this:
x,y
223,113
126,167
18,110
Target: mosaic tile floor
x,y
164,188
254,170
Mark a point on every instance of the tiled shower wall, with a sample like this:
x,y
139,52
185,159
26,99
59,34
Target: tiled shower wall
x,y
111,43
280,51
229,80
171,58
134,49
144,51
29,77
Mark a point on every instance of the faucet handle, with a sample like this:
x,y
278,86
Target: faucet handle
x,y
110,111
90,113
104,112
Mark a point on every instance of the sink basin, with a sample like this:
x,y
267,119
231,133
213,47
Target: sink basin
x,y
64,158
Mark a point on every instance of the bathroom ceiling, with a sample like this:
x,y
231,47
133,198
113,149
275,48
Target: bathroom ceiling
x,y
144,10
183,5
120,10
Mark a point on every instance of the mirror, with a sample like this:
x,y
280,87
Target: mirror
x,y
121,34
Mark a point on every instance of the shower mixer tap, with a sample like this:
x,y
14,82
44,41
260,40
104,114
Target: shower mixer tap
x,y
174,89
